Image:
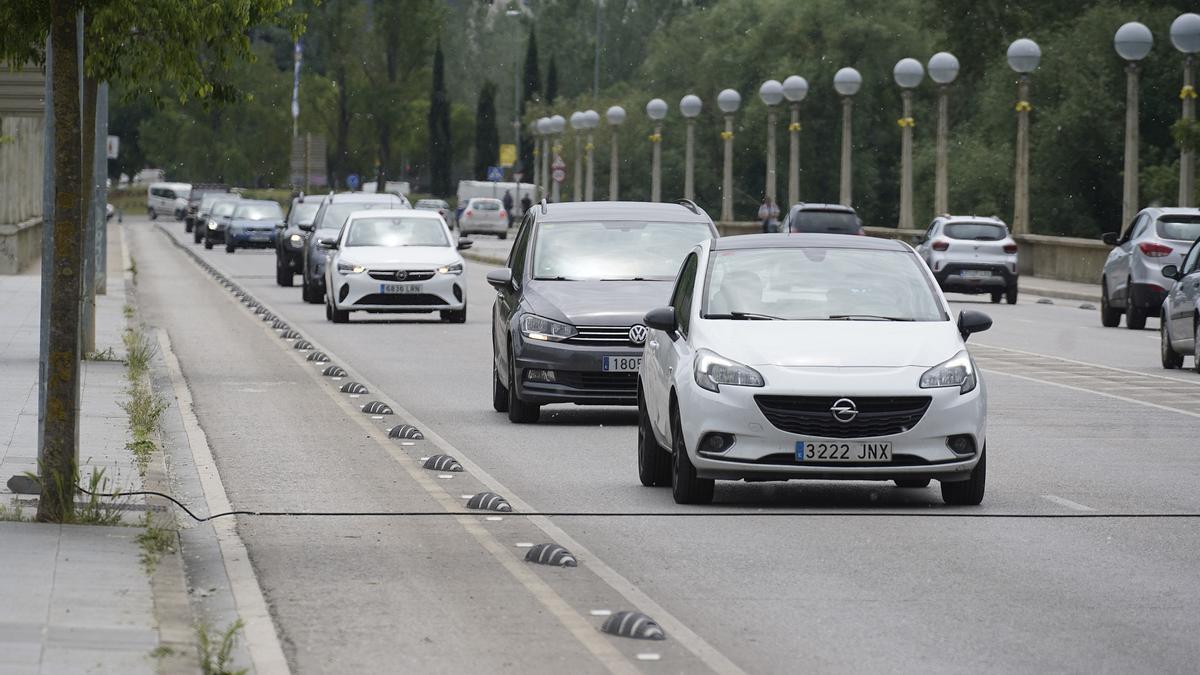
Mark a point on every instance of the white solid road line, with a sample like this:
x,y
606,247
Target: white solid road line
x,y
266,652
1126,399
1076,506
1169,378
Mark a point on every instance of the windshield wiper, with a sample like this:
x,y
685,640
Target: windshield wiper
x,y
746,316
625,279
865,317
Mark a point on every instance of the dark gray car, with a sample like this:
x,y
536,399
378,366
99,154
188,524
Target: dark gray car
x,y
326,225
567,321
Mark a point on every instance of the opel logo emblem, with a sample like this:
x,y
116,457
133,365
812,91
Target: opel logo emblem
x,y
637,334
401,275
844,410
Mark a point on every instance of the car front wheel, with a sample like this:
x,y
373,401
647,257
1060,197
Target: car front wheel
x,y
1109,317
519,412
686,487
968,492
1135,317
1170,358
1010,294
283,275
455,316
654,463
499,391
1196,347
310,293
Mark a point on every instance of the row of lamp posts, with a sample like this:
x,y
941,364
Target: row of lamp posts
x,y
1132,41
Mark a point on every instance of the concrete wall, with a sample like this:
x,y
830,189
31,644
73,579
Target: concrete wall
x,y
20,192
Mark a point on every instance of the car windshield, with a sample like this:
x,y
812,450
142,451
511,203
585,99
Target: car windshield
x,y
432,204
396,231
841,222
611,251
223,208
336,214
264,211
303,212
819,284
485,205
1182,228
976,231
209,198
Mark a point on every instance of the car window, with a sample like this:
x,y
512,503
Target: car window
x,y
395,231
1139,226
520,249
976,231
266,211
681,299
223,208
335,214
840,222
614,250
1193,257
1179,227
485,205
929,232
303,213
819,284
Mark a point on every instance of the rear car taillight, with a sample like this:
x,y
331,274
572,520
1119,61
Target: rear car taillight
x,y
468,213
503,215
941,245
1010,248
1153,250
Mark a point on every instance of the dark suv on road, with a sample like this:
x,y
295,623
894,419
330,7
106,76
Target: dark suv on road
x,y
193,205
822,218
289,245
567,321
326,225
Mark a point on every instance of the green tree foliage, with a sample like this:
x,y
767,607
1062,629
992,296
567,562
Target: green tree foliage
x,y
487,137
439,129
532,94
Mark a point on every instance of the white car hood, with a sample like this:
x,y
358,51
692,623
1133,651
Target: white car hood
x,y
867,344
391,256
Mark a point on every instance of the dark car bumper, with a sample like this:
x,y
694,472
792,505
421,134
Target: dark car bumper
x,y
952,279
1149,297
578,374
251,239
214,236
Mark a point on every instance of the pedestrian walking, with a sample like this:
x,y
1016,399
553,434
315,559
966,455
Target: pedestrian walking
x,y
526,204
508,204
768,215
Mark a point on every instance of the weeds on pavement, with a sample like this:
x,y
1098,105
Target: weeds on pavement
x,y
140,349
127,310
14,513
155,542
106,355
98,510
133,269
215,656
143,406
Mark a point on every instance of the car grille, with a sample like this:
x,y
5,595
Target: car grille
x,y
401,299
602,336
598,381
810,415
413,275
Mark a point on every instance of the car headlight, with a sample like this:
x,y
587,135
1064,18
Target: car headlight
x,y
956,372
212,224
540,328
350,268
295,241
712,370
456,268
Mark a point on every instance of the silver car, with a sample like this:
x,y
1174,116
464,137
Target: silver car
x,y
972,254
1133,283
1180,328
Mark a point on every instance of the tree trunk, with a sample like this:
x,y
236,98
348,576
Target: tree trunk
x,y
60,464
88,225
385,154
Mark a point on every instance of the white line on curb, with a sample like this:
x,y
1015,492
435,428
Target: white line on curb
x,y
1076,506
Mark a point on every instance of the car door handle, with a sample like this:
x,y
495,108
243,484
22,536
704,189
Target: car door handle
x,y
653,343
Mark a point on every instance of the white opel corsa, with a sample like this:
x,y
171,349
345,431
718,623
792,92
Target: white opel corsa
x,y
402,261
810,356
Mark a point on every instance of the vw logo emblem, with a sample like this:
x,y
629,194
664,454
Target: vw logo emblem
x,y
844,410
637,334
401,275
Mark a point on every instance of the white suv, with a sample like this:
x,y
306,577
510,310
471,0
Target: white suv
x,y
971,254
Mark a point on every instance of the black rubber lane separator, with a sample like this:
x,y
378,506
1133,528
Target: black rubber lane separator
x,y
377,408
334,371
319,357
302,344
633,625
290,334
352,387
279,324
406,431
259,309
442,463
267,316
489,501
551,554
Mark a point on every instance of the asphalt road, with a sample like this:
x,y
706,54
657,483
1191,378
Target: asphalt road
x,y
870,578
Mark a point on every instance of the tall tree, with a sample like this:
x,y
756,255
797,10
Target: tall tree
x,y
533,90
439,128
552,81
487,136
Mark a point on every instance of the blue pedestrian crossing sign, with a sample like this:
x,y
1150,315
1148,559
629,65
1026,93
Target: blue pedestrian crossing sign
x,y
495,174
352,181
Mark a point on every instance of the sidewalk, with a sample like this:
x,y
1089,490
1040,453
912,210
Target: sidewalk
x,y
73,598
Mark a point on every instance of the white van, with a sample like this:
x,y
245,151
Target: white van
x,y
167,198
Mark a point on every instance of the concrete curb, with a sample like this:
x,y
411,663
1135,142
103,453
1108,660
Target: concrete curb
x,y
485,259
1044,292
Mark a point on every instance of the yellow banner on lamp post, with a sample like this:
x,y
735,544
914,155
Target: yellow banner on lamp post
x,y
508,154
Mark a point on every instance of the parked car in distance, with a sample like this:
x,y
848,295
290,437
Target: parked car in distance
x,y
822,218
216,222
395,261
167,199
255,223
567,320
972,254
810,356
483,215
326,224
439,205
201,216
289,245
1179,329
1132,282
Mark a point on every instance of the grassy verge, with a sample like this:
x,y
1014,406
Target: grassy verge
x,y
142,405
156,541
129,200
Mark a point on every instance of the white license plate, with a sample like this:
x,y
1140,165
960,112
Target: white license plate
x,y
401,289
260,237
978,274
621,364
848,453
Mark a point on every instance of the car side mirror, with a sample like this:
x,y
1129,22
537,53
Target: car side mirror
x,y
661,318
305,227
500,279
971,321
1109,238
1171,272
464,244
327,243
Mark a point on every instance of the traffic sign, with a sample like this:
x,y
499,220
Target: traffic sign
x,y
508,154
558,170
112,147
352,181
495,174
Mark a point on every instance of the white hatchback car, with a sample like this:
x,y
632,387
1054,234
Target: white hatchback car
x,y
810,356
484,215
401,261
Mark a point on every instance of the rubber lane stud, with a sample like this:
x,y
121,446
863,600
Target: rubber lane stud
x,y
319,357
259,309
377,408
290,334
442,463
334,371
1045,301
352,387
406,431
489,501
302,344
280,324
551,554
633,625
267,316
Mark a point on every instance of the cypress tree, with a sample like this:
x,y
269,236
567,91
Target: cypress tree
x,y
439,129
552,81
533,89
487,136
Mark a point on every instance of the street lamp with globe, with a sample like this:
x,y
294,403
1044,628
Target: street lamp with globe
x,y
1133,42
795,88
577,125
728,101
591,119
908,73
771,93
543,130
689,107
846,82
943,70
615,116
1185,35
656,110
557,124
1023,57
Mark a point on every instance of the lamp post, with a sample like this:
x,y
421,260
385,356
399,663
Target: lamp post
x,y
557,124
943,69
577,125
1023,57
847,82
795,88
728,101
513,13
1132,42
615,116
591,121
1185,35
771,93
908,73
656,110
689,107
543,130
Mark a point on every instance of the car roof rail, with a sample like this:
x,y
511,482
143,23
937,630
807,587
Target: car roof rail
x,y
689,205
543,206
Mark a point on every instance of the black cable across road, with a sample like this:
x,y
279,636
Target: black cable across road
x,y
642,514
